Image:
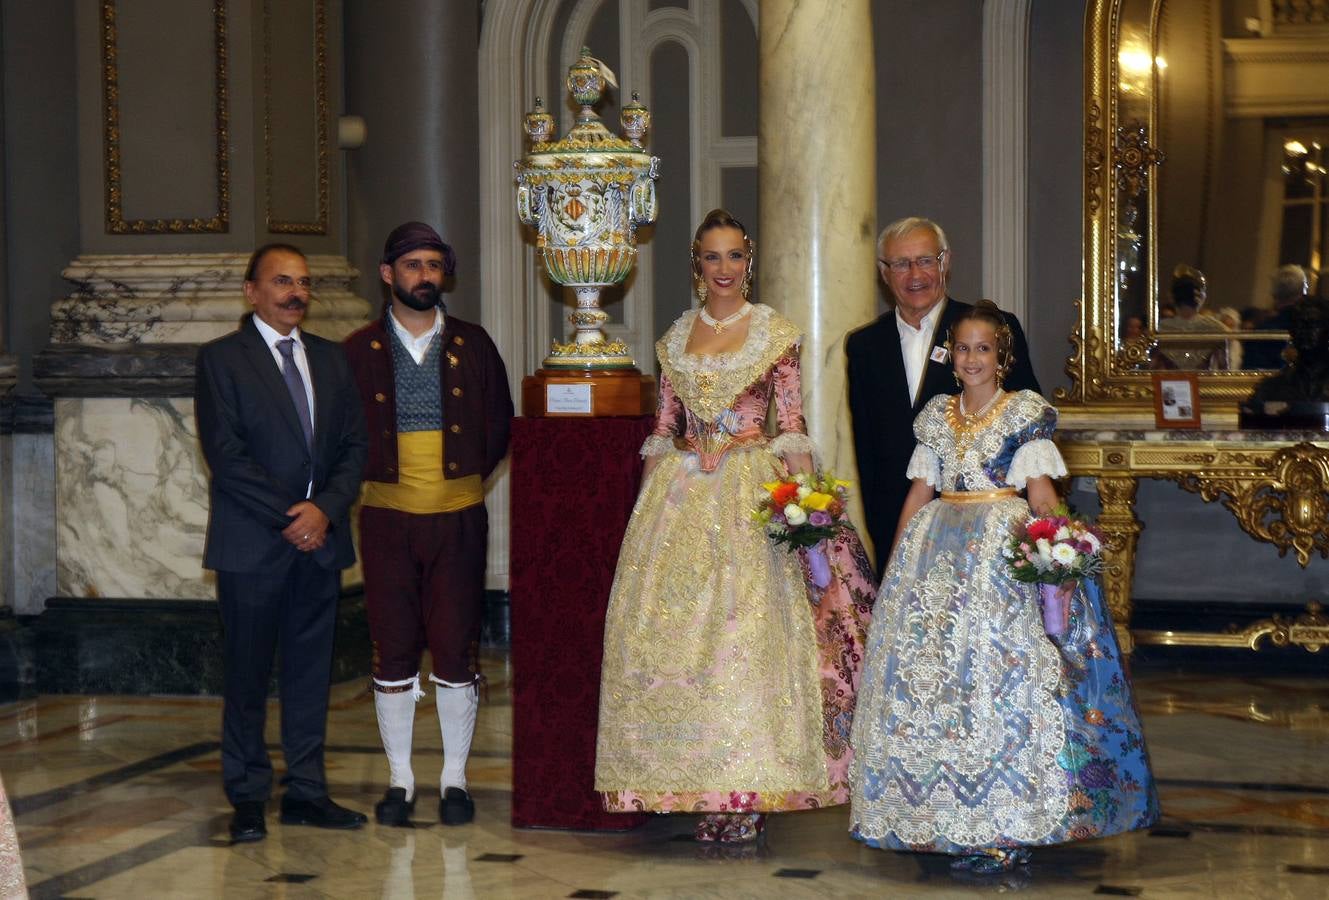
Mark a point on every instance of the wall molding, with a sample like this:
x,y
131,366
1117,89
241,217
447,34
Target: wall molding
x,y
1006,154
276,223
116,223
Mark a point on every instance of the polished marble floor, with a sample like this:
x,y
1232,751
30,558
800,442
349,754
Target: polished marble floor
x,y
120,797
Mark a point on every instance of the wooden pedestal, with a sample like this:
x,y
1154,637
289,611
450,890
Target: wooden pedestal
x,y
612,392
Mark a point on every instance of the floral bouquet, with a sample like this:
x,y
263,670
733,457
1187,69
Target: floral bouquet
x,y
803,510
1050,551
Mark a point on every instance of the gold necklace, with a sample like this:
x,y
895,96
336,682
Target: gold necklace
x,y
721,324
967,425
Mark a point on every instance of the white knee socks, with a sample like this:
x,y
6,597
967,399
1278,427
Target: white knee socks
x,y
396,726
457,706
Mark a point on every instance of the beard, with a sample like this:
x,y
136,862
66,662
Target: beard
x,y
425,296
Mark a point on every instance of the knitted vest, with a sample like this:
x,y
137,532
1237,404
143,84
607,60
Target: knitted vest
x,y
419,397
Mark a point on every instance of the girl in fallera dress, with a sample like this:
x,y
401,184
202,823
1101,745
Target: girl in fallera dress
x,y
728,685
976,735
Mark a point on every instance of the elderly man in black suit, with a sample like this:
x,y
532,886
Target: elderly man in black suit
x,y
281,427
900,362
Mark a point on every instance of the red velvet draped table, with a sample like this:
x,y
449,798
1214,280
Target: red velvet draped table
x,y
574,482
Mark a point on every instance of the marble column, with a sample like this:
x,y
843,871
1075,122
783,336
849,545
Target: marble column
x,y
817,165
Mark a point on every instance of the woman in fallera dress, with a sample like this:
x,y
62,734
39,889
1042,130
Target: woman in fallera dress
x,y
975,734
728,685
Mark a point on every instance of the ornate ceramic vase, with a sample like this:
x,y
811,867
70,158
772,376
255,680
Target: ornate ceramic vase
x,y
586,195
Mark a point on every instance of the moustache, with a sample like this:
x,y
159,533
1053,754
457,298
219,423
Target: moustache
x,y
294,303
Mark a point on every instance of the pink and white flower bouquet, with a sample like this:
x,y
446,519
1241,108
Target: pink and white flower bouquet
x,y
1053,551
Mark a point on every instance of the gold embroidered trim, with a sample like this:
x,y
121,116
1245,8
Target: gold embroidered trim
x,y
710,383
978,496
968,426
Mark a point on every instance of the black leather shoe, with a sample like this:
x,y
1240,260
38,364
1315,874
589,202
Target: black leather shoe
x,y
247,823
456,807
321,813
394,809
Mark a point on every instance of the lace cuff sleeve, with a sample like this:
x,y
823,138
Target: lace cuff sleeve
x,y
656,445
1038,457
924,464
796,442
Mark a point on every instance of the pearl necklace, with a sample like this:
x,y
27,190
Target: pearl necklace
x,y
721,324
986,406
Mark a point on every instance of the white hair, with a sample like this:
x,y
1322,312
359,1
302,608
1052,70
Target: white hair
x,y
901,227
1289,283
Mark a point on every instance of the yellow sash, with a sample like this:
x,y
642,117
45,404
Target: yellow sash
x,y
421,487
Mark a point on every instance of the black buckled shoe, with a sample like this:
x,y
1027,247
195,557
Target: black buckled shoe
x,y
394,809
247,823
321,813
456,807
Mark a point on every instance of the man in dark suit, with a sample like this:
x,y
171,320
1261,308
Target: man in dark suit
x,y
281,427
900,362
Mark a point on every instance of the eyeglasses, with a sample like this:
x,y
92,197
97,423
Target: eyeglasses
x,y
922,263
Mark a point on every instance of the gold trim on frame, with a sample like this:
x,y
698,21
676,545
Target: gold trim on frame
x,y
1286,504
116,223
1309,630
1277,490
1111,382
320,224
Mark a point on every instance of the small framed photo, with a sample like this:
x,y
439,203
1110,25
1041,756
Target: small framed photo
x,y
1176,400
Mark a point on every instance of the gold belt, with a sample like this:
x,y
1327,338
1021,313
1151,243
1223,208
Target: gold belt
x,y
978,496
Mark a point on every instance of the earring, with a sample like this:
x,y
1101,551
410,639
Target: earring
x,y
956,376
701,289
746,287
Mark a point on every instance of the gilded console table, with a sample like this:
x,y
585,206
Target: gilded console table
x,y
1275,483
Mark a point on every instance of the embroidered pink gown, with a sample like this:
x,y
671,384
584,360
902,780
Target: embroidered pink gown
x,y
728,685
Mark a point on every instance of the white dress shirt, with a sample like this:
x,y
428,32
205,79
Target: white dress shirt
x,y
915,344
417,346
271,337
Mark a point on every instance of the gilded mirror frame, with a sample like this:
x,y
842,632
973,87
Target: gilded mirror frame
x,y
1111,379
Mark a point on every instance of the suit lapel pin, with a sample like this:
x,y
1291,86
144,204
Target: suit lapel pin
x,y
940,355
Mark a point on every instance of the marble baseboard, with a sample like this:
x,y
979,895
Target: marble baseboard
x,y
159,646
106,646
18,659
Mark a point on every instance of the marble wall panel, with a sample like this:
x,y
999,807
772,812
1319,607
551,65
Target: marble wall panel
x,y
29,467
131,499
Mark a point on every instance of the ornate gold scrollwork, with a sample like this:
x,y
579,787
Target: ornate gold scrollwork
x,y
1309,630
1095,155
1133,158
1120,532
1286,505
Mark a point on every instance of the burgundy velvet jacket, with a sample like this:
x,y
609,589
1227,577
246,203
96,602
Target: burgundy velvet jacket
x,y
477,404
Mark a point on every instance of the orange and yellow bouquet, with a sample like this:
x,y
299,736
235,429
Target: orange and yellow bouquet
x,y
803,510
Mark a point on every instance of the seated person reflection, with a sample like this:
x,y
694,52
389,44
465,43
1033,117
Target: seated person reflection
x,y
1306,377
1288,287
1188,294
